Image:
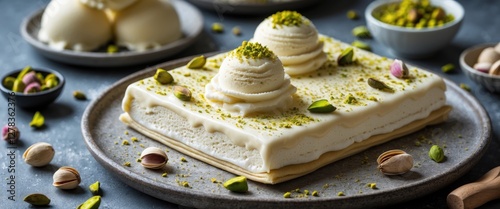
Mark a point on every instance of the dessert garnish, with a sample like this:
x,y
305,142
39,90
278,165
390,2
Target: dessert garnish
x,y
288,18
395,162
95,188
163,76
376,84
346,57
436,153
361,45
29,81
237,184
197,62
182,93
321,106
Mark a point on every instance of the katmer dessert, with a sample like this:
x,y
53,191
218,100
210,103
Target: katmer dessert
x,y
294,39
197,115
68,24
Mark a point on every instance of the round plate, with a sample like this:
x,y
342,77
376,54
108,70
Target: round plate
x,y
191,23
246,8
464,135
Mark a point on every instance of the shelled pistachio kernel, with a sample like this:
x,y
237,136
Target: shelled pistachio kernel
x,y
79,95
237,184
51,81
361,45
95,188
321,106
361,32
37,199
352,14
18,86
182,93
447,68
163,76
8,82
376,84
92,203
39,154
197,62
217,27
38,120
436,153
346,57
287,195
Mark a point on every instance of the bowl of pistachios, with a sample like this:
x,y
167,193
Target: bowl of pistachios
x,y
414,29
481,63
31,88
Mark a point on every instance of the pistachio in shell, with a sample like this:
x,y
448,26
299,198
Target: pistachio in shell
x,y
66,178
39,154
395,162
153,158
376,84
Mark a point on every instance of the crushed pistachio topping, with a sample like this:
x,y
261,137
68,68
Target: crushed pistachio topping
x,y
125,142
340,194
127,164
372,185
288,18
251,50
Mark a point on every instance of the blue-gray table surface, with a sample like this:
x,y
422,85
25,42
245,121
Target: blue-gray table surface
x,y
63,118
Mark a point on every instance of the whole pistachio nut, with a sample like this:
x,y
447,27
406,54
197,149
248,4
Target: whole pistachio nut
x,y
95,188
39,154
436,153
352,14
321,106
30,77
18,86
346,57
376,84
197,62
153,158
79,95
438,14
38,120
399,69
40,77
37,199
66,178
182,93
237,184
92,203
361,45
32,88
361,32
395,162
483,67
163,76
8,82
10,134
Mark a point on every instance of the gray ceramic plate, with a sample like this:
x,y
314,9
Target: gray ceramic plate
x,y
465,136
191,23
244,8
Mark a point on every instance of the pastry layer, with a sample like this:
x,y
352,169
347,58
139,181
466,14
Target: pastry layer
x,y
267,145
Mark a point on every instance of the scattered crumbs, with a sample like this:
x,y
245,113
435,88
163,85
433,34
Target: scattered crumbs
x,y
142,145
236,31
138,160
287,195
325,186
134,139
459,136
340,194
417,143
306,192
214,180
465,87
127,164
447,68
183,159
126,132
352,14
116,143
164,174
372,185
315,193
217,27
125,142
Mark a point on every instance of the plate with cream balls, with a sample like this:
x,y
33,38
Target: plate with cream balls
x,y
249,7
295,118
110,34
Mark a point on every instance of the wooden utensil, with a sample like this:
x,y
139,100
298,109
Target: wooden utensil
x,y
477,193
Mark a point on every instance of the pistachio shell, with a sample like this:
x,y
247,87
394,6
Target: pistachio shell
x,y
488,55
395,162
237,184
197,62
66,178
495,68
483,66
37,199
153,158
39,154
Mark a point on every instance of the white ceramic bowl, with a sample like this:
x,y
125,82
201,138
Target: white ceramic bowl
x,y
412,42
468,58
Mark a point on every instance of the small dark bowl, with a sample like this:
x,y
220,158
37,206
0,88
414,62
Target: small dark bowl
x,y
32,100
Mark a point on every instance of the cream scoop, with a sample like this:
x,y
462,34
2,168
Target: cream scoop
x,y
147,24
294,39
250,79
108,4
68,24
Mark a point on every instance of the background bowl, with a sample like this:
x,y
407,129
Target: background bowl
x,y
468,58
33,100
412,42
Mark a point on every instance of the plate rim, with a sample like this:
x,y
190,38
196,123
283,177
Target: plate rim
x,y
223,201
116,60
247,8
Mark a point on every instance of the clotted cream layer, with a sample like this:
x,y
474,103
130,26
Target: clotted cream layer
x,y
258,146
250,85
297,46
69,24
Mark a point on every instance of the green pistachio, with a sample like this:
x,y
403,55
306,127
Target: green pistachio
x,y
8,82
353,15
346,57
91,203
37,199
197,62
447,68
236,31
18,86
40,77
361,32
79,95
217,27
182,93
163,76
436,153
361,45
111,49
287,195
374,83
38,120
23,72
95,187
237,184
321,106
